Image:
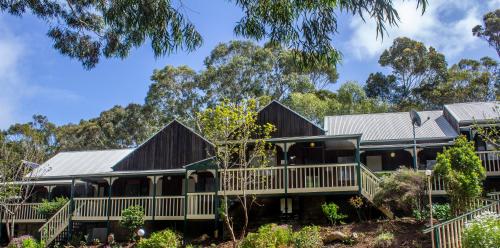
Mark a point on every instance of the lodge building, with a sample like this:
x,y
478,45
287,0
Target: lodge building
x,y
174,178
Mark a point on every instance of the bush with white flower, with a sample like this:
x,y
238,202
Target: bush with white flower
x,y
482,232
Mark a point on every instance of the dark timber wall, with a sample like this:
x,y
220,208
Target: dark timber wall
x,y
287,122
171,148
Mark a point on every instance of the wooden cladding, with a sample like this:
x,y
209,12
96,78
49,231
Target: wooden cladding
x,y
173,147
287,122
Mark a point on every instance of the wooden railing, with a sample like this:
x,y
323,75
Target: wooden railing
x,y
491,162
369,183
322,178
299,179
55,225
25,213
200,205
169,208
449,233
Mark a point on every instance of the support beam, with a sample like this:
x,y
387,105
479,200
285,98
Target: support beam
x,y
285,151
186,179
110,181
71,209
358,161
154,180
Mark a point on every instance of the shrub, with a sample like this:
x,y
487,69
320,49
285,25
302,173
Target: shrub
x,y
384,239
48,208
462,172
32,243
331,211
307,237
268,236
403,190
132,218
441,212
482,232
165,238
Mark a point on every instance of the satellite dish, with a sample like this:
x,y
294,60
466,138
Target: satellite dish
x,y
415,118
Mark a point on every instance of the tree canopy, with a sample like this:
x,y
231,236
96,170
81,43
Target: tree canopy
x,y
89,30
490,30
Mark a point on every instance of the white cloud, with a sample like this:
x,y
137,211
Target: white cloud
x,y
14,87
446,25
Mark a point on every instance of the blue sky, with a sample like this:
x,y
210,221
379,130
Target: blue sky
x,y
35,78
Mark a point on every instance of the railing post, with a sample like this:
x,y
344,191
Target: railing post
x,y
358,168
437,242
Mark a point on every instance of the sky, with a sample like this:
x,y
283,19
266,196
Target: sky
x,y
36,79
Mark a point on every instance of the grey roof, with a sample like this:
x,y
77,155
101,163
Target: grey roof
x,y
473,111
80,163
390,126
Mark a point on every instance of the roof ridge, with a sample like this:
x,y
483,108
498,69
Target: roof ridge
x,y
100,150
384,113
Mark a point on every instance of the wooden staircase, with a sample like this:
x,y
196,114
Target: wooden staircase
x,y
370,186
56,225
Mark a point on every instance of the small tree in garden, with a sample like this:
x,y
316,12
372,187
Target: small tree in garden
x,y
132,219
462,171
240,142
17,175
332,213
403,190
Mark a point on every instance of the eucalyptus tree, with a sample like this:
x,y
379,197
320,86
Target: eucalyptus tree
x,y
490,30
89,30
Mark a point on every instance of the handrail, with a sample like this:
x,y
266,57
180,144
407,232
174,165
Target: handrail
x,y
56,224
492,202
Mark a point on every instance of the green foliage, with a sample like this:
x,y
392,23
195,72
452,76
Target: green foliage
x,y
307,237
132,218
32,243
462,171
482,232
269,236
88,30
332,213
441,212
49,208
384,240
274,236
403,190
165,238
490,31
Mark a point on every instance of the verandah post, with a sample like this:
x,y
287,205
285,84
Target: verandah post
x,y
108,203
154,197
185,205
216,202
358,168
71,208
286,181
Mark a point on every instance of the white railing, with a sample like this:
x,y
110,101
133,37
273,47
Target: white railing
x,y
25,212
449,233
252,180
301,178
55,225
169,208
200,205
321,178
491,162
369,183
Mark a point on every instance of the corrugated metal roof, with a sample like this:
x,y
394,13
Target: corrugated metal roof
x,y
468,112
81,163
390,126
